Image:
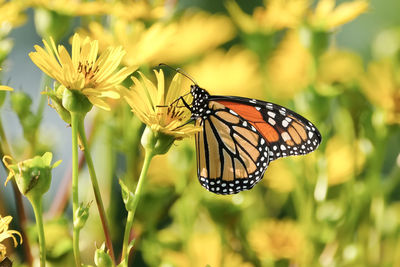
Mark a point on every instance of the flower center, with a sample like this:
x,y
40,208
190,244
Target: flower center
x,y
88,71
173,113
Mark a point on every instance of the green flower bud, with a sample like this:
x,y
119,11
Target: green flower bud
x,y
33,176
156,141
81,214
56,103
50,23
127,196
21,103
315,40
75,101
101,257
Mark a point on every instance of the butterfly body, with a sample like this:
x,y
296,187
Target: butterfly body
x,y
241,136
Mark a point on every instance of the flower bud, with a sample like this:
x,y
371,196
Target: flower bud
x,y
75,101
127,196
33,176
315,40
81,214
50,23
101,257
56,103
156,141
21,103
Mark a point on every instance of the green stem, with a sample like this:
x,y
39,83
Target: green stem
x,y
96,189
75,195
37,209
131,214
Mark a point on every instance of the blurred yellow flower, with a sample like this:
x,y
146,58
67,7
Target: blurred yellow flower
x,y
72,8
235,72
5,233
138,9
11,14
162,113
186,42
381,84
143,45
289,70
338,67
326,16
344,160
93,76
205,248
278,239
273,16
279,177
167,43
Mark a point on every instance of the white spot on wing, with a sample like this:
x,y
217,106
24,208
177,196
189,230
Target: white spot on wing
x,y
285,136
271,121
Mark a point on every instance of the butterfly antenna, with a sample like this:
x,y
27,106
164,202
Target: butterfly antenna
x,y
179,70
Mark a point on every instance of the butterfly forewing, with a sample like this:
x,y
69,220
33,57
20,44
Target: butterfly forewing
x,y
231,155
286,132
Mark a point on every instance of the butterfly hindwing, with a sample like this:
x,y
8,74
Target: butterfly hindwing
x,y
231,155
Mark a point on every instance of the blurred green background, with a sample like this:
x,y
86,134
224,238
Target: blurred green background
x,y
338,206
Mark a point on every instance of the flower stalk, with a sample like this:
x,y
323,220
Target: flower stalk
x,y
38,210
96,189
75,195
149,154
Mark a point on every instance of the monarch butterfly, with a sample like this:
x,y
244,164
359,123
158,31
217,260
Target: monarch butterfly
x,y
241,136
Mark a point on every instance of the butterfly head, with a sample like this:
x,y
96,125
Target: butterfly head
x,y
200,101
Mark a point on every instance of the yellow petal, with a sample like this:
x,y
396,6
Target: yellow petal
x,y
347,12
99,103
5,88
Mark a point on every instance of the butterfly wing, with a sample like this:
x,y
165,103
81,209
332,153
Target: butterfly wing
x,y
231,154
286,132
241,136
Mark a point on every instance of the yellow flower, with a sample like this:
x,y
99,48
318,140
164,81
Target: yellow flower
x,y
235,72
278,239
5,233
72,8
344,160
167,43
137,9
11,14
162,113
142,45
381,84
94,76
289,70
338,67
275,15
326,16
186,42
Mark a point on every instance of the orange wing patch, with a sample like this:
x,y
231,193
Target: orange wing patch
x,y
255,118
